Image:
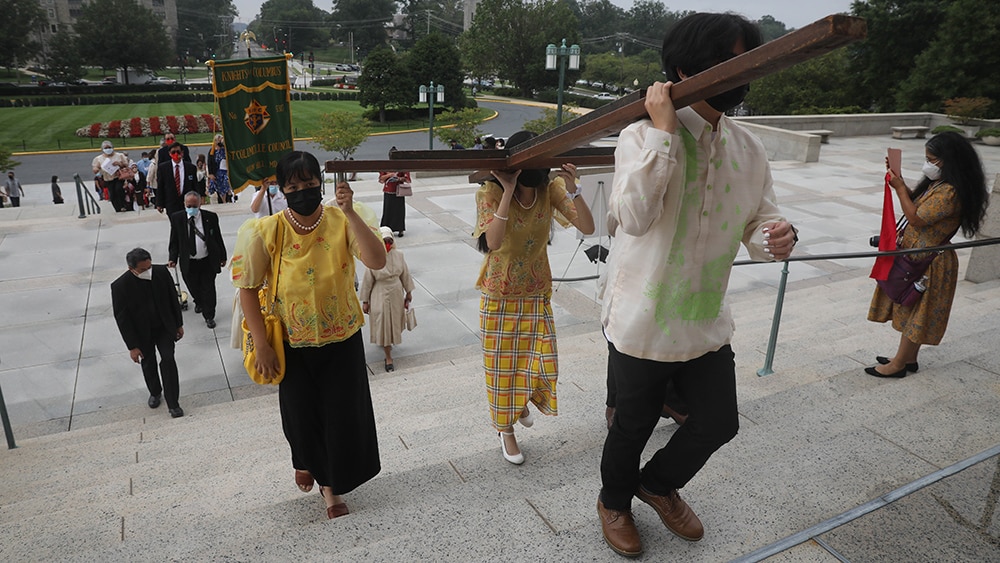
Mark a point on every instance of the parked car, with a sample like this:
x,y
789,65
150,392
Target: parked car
x,y
161,80
109,80
606,96
343,67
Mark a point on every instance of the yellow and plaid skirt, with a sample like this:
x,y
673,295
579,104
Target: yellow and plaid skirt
x,y
519,356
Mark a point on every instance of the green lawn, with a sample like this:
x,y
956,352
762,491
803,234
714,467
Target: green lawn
x,y
53,128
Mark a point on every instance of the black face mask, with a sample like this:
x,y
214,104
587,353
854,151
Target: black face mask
x,y
730,99
304,202
533,178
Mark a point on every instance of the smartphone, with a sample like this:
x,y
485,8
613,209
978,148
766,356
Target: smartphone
x,y
895,157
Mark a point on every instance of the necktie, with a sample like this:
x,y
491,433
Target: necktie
x,y
191,235
177,178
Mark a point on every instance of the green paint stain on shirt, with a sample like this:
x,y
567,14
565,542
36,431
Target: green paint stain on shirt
x,y
736,165
728,188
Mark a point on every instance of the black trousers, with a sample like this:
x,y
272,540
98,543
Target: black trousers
x,y
116,191
707,384
671,398
200,279
327,415
163,341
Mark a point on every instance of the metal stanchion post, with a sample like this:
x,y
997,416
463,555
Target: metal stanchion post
x,y
775,322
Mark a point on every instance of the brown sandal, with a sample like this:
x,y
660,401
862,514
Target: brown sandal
x,y
335,511
304,480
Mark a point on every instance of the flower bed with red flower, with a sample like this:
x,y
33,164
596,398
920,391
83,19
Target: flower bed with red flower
x,y
151,126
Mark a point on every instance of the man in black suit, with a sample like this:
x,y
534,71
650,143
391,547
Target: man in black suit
x,y
196,242
163,153
174,177
149,318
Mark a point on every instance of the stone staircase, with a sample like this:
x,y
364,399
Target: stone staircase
x,y
817,438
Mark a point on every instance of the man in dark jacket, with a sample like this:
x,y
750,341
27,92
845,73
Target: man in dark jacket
x,y
148,314
174,177
196,243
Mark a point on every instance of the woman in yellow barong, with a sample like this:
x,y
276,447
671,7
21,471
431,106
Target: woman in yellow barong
x,y
515,212
324,398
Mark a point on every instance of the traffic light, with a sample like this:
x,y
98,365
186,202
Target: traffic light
x,y
302,57
311,57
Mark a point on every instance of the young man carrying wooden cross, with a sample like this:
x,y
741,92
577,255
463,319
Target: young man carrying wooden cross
x,y
690,185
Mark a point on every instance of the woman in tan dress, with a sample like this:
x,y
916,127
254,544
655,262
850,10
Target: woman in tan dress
x,y
951,196
383,299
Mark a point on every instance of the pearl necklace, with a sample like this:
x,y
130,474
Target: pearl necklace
x,y
523,206
288,213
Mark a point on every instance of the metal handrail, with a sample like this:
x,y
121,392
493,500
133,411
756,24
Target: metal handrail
x,y
772,341
91,204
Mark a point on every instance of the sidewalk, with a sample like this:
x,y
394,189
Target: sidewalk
x,y
818,438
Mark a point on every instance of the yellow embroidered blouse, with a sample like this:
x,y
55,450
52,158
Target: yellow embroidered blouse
x,y
315,296
520,267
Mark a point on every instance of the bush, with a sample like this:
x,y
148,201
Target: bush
x,y
813,110
964,110
988,132
946,128
399,114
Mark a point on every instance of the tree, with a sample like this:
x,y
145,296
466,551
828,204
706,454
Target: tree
x,y
423,17
291,25
150,49
341,131
20,19
464,126
384,83
64,62
434,58
547,121
770,28
508,39
649,21
898,31
206,28
367,20
6,162
960,61
599,18
816,84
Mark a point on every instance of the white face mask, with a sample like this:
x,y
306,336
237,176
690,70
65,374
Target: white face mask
x,y
146,275
931,171
108,150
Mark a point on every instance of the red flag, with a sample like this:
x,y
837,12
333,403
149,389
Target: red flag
x,y
887,237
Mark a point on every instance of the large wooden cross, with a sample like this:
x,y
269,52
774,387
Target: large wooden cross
x,y
552,149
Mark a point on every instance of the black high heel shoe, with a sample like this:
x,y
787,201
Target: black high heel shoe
x,y
898,375
913,368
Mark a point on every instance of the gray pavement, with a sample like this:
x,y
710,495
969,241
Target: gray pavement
x,y
819,442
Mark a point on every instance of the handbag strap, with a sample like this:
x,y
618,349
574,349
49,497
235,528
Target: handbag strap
x,y
272,287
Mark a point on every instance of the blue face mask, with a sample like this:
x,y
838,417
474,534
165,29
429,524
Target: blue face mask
x,y
191,211
272,190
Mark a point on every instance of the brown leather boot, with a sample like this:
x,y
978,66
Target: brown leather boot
x,y
619,530
676,515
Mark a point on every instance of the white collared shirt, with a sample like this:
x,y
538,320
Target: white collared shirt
x,y
683,203
200,247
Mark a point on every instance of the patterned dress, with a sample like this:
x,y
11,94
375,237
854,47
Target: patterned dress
x,y
515,315
925,322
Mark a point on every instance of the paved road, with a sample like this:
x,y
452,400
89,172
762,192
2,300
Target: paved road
x,y
39,169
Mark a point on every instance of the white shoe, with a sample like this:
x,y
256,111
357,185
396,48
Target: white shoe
x,y
515,459
528,420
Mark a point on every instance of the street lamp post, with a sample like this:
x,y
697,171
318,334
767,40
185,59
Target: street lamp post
x,y
561,52
427,94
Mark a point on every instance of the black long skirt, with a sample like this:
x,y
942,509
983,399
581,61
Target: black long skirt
x,y
394,212
327,416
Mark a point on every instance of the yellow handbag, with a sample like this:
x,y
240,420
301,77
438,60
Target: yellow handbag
x,y
272,325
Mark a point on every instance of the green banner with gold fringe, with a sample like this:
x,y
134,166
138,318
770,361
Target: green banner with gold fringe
x,y
253,98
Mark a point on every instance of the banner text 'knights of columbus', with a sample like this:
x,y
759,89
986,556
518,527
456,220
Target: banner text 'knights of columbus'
x,y
253,97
